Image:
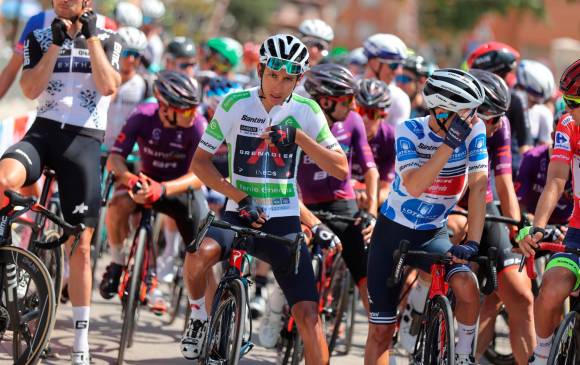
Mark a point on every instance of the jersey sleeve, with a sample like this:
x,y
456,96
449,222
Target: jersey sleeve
x,y
387,166
400,109
113,48
128,136
519,121
499,148
477,149
35,22
563,141
216,130
32,52
523,178
546,126
407,157
316,127
362,150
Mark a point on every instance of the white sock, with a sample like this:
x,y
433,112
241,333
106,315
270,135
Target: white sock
x,y
172,241
117,254
198,308
465,335
543,347
81,328
418,295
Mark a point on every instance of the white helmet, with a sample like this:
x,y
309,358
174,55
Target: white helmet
x,y
128,15
286,47
453,90
316,28
536,79
133,38
357,57
386,47
152,9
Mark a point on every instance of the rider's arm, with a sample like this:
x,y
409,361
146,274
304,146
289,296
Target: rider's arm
x,y
307,217
117,161
384,189
507,196
37,67
476,205
419,179
331,158
557,176
105,63
117,164
500,158
202,165
182,183
371,180
9,73
363,154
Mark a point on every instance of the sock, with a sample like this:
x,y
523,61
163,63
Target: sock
x,y
418,295
117,254
198,308
261,282
276,300
543,347
465,335
81,328
172,239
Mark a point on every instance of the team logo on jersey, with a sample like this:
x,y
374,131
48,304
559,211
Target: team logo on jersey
x,y
254,157
397,185
420,212
478,148
459,154
405,149
415,127
156,134
562,141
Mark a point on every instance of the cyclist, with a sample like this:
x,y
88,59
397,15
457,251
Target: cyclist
x,y
153,11
357,62
73,98
133,89
317,35
385,54
437,156
264,127
562,274
181,55
127,14
221,56
251,59
373,97
416,70
167,134
537,83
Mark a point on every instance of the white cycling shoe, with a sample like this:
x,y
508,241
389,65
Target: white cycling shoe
x,y
193,339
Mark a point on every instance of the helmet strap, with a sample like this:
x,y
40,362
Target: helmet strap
x,y
329,110
440,123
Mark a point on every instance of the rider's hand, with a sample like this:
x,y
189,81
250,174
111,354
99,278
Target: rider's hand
x,y
89,21
457,132
362,200
528,239
283,136
462,253
367,223
251,213
154,189
59,28
323,236
131,180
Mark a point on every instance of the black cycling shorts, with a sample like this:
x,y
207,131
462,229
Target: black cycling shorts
x,y
497,235
296,287
76,160
353,247
386,238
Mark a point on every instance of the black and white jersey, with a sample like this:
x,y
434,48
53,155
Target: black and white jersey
x,y
71,96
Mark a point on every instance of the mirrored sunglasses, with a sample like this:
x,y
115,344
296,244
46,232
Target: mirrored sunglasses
x,y
276,64
571,101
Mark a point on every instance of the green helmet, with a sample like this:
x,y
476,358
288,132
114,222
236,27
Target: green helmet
x,y
228,48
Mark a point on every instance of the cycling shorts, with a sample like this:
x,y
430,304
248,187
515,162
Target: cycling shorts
x,y
568,261
385,240
353,247
497,235
74,156
296,287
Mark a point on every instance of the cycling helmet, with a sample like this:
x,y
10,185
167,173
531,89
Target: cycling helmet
x,y
133,38
251,52
453,89
181,47
419,66
286,47
217,89
316,28
357,57
570,80
373,93
177,90
497,93
330,79
152,10
128,15
228,48
386,47
495,57
536,79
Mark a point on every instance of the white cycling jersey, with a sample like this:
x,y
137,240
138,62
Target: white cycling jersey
x,y
267,174
541,123
415,143
400,109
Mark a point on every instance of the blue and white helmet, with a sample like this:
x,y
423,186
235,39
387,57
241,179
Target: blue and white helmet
x,y
386,47
536,79
316,28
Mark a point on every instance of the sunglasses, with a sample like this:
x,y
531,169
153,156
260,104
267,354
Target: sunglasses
x,y
221,64
372,113
404,79
392,65
276,64
186,65
316,43
344,100
185,112
572,102
130,52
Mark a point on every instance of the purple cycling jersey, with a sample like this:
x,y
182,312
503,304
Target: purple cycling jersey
x,y
316,186
383,146
165,153
531,180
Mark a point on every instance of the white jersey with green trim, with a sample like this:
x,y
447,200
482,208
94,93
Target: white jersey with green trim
x,y
266,173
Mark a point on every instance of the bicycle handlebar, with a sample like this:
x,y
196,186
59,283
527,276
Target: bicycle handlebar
x,y
108,186
490,218
528,262
328,216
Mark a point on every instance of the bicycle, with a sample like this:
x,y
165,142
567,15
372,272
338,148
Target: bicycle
x,y
27,306
99,239
435,342
228,339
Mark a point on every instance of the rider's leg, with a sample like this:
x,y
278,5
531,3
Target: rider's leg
x,y
379,340
12,175
466,294
487,316
117,220
197,271
310,327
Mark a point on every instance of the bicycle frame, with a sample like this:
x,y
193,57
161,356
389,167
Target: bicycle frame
x,y
438,284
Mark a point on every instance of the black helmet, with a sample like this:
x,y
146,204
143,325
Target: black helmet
x,y
497,93
181,47
330,79
373,94
178,90
419,66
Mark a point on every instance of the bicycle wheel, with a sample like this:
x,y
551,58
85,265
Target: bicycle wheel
x,y
226,328
54,262
440,342
131,297
565,347
25,323
336,302
98,243
298,353
176,295
499,351
349,315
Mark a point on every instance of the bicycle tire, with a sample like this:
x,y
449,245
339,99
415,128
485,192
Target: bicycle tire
x,y
566,342
493,355
350,315
298,350
54,262
440,324
226,329
177,290
97,243
132,297
338,290
29,268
